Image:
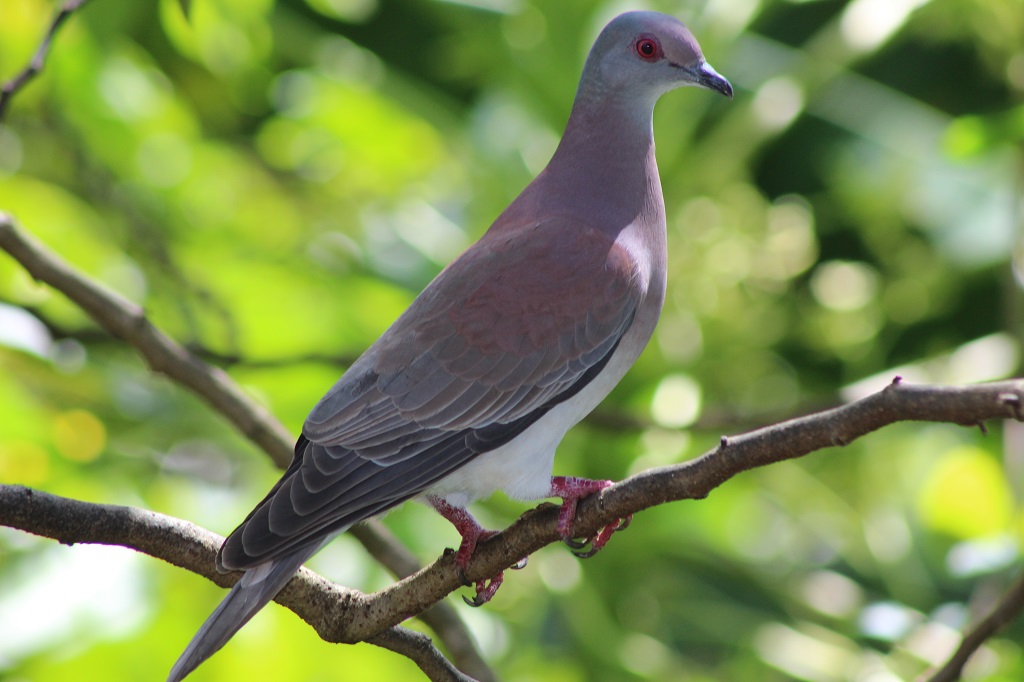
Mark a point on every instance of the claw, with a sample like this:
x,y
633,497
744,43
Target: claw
x,y
520,565
485,590
602,538
587,554
576,543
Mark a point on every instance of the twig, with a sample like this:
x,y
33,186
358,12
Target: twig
x,y
35,65
231,359
92,336
127,321
1009,607
188,546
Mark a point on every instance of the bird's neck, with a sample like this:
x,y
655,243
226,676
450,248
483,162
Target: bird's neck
x,y
605,163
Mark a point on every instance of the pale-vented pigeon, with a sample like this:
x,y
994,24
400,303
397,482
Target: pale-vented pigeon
x,y
473,387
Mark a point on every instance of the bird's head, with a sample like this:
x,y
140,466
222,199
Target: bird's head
x,y
645,54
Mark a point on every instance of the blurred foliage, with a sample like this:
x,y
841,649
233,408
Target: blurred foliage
x,y
275,181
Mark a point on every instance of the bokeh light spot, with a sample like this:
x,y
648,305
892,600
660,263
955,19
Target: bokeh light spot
x,y
79,435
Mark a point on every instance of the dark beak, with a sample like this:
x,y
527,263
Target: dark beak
x,y
707,77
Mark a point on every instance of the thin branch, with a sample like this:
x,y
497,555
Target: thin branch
x,y
126,320
223,359
93,336
35,65
188,546
418,647
350,616
441,617
1009,608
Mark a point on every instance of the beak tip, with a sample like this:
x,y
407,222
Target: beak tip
x,y
712,80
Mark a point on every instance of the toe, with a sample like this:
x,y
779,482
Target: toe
x,y
485,590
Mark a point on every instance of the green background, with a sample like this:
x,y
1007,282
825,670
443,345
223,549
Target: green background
x,y
275,181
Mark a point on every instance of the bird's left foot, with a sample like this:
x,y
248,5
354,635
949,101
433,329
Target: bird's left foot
x,y
471,532
572,490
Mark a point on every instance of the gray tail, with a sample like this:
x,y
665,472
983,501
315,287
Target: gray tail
x,y
257,587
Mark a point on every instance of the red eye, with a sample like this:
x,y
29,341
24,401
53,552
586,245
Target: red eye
x,y
647,48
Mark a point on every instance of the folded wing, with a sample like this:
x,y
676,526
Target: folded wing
x,y
519,323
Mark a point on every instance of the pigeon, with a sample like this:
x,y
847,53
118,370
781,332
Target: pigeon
x,y
473,387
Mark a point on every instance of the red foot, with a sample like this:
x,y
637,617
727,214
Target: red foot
x,y
572,490
471,532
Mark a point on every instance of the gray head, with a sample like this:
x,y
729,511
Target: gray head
x,y
641,55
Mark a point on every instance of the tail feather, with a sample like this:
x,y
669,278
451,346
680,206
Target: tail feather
x,y
256,588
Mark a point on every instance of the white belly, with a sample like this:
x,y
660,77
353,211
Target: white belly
x,y
522,467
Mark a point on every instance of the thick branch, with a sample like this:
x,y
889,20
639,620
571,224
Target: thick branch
x,y
1009,608
343,615
190,547
126,320
695,479
35,65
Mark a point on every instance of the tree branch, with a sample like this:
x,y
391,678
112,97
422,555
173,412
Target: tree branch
x,y
35,65
695,479
417,647
126,320
342,615
188,546
1009,607
441,617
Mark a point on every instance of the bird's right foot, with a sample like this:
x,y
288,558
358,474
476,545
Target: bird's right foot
x,y
572,490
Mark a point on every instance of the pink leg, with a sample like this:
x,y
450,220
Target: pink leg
x,y
471,532
572,490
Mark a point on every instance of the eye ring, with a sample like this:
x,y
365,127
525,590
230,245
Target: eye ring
x,y
647,48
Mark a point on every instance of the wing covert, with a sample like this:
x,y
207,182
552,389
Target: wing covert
x,y
472,351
